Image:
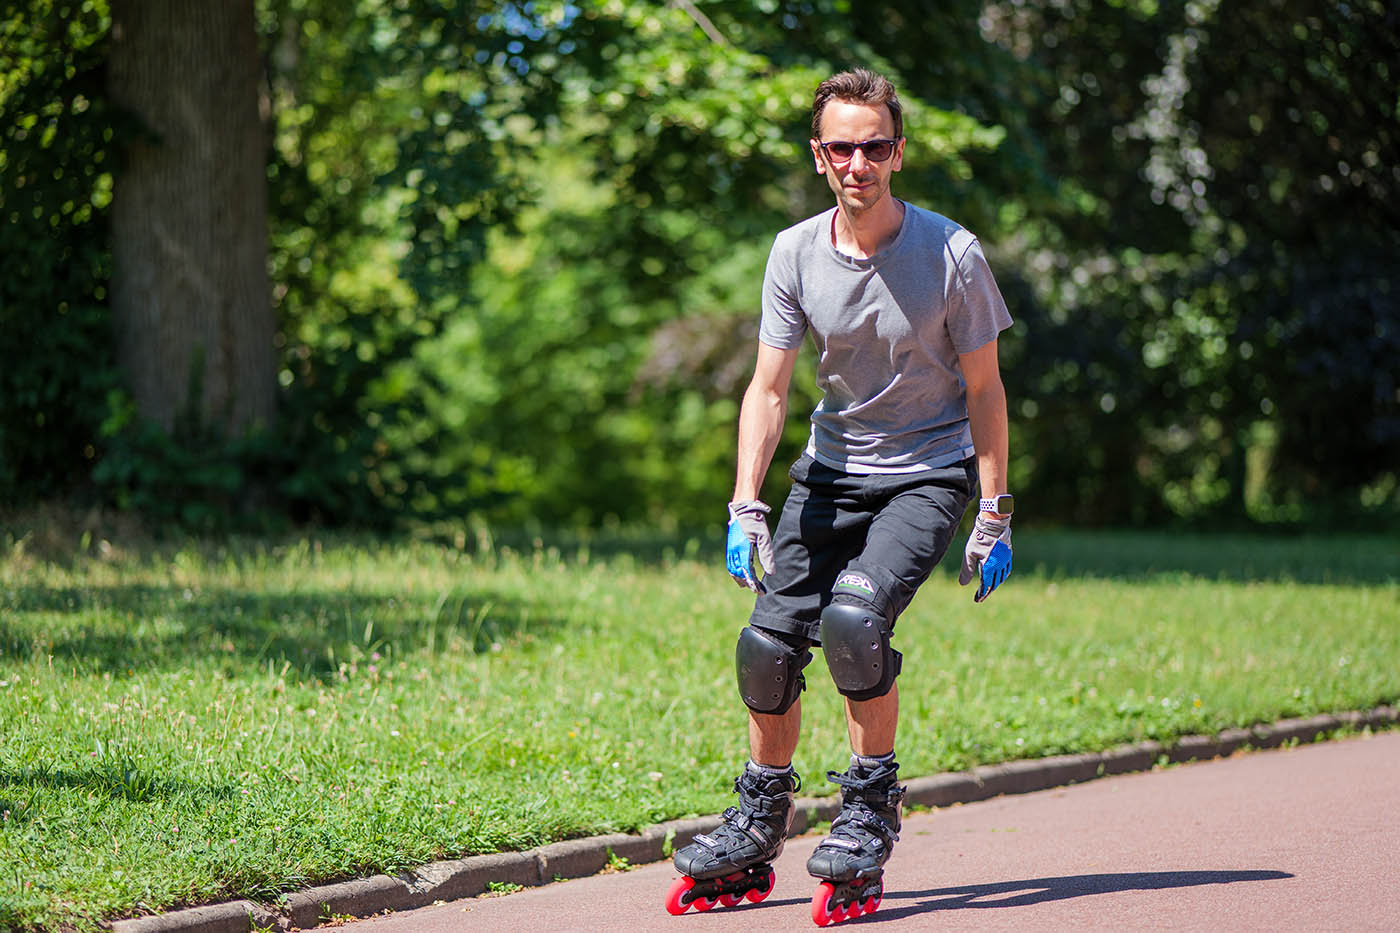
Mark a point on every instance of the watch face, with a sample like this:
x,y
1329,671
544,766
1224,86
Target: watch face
x,y
1002,504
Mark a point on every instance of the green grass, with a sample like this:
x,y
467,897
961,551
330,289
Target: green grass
x,y
197,722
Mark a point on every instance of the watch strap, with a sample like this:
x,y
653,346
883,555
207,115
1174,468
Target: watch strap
x,y
999,505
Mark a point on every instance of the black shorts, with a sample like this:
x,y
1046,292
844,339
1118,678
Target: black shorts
x,y
873,536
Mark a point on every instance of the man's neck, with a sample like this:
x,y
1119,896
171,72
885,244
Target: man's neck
x,y
862,235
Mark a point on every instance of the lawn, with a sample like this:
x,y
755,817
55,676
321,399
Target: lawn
x,y
196,721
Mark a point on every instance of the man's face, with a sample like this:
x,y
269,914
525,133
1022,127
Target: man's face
x,y
859,184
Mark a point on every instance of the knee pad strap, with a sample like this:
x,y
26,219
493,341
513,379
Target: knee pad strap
x,y
769,671
856,642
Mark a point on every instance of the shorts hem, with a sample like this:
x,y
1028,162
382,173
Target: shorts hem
x,y
788,626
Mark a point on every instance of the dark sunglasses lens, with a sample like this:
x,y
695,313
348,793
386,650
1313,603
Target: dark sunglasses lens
x,y
877,151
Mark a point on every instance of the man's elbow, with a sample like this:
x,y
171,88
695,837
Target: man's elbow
x,y
988,387
765,395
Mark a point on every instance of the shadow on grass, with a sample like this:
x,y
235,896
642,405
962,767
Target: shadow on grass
x,y
1040,890
1130,555
313,633
113,779
1059,553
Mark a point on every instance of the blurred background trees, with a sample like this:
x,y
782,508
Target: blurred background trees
x,y
513,252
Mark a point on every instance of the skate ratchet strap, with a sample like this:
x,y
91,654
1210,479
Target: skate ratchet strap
x,y
734,817
841,843
744,824
851,821
875,779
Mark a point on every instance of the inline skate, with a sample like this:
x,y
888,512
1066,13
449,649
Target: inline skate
x,y
850,861
735,861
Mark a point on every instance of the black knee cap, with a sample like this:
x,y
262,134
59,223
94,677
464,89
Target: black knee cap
x,y
770,671
856,642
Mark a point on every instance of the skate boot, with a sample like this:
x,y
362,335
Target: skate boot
x,y
735,861
850,861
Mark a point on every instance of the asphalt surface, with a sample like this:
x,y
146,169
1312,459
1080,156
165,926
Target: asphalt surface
x,y
1306,838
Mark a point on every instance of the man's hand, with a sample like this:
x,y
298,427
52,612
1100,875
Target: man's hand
x,y
748,532
988,555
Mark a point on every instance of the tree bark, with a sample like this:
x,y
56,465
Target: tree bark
x,y
190,298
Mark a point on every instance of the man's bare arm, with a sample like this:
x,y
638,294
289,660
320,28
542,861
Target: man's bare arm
x,y
986,415
761,418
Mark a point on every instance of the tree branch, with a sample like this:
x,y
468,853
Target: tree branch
x,y
702,21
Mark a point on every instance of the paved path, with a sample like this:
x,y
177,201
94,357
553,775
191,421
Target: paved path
x,y
1300,839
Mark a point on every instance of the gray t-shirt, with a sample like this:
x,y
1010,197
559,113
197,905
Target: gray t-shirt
x,y
888,332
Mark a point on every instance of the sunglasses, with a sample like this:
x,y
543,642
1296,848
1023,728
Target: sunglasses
x,y
876,150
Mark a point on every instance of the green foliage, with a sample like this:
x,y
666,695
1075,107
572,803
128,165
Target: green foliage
x,y
1212,293
516,251
391,161
195,475
384,175
618,321
56,157
184,476
1300,198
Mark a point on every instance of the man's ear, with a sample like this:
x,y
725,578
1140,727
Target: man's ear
x,y
817,156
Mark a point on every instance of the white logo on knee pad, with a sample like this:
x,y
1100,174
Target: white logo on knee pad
x,y
855,581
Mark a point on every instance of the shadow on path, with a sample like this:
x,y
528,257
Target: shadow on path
x,y
1040,890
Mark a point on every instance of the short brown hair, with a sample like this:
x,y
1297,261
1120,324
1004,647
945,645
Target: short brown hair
x,y
857,86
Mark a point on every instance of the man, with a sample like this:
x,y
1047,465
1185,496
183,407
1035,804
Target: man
x,y
905,315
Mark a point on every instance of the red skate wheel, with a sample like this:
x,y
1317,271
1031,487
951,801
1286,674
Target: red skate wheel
x,y
731,900
705,903
821,903
757,894
873,904
674,905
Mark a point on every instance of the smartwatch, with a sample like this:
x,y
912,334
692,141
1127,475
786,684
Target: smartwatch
x,y
1000,505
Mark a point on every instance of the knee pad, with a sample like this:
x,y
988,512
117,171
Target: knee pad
x,y
856,642
769,670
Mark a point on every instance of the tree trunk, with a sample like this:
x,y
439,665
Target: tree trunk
x,y
190,297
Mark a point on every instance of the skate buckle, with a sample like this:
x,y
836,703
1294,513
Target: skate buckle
x,y
842,843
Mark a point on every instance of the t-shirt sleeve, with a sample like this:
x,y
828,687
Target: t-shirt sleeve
x,y
783,323
976,310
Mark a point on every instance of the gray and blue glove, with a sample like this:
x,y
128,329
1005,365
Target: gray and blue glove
x,y
987,557
748,538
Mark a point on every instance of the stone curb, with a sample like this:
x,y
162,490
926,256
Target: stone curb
x,y
577,858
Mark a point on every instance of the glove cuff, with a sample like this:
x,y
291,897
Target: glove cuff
x,y
743,507
995,527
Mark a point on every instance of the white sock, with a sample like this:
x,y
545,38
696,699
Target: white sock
x,y
869,763
768,770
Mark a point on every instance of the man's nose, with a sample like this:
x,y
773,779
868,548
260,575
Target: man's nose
x,y
858,161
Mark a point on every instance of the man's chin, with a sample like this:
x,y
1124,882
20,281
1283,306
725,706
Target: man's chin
x,y
858,202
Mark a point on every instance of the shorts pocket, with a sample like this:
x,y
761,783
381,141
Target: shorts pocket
x,y
800,468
